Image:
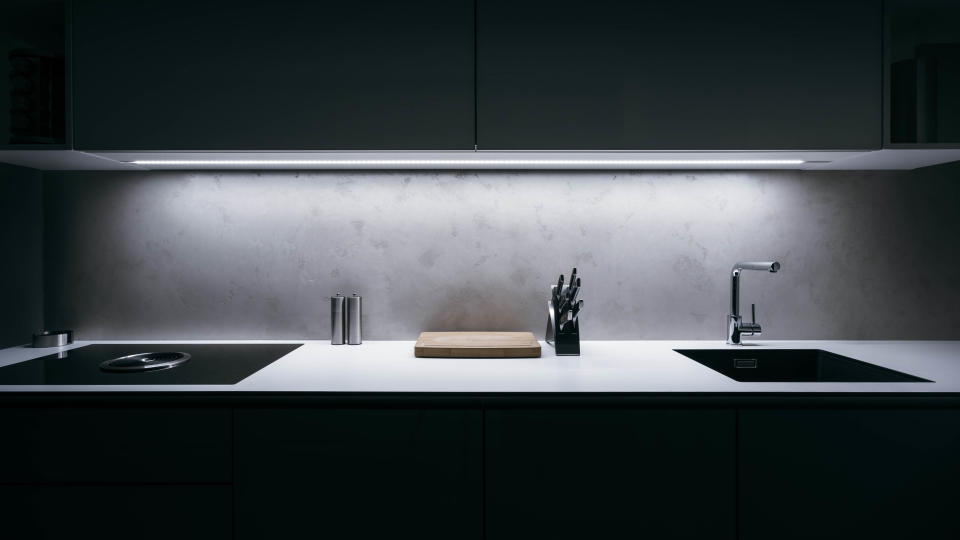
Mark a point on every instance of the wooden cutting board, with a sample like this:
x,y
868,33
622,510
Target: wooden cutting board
x,y
477,345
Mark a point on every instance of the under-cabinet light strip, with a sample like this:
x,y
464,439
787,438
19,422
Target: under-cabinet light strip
x,y
467,162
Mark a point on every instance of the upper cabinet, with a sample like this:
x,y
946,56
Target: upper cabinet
x,y
923,72
279,75
679,74
33,104
843,84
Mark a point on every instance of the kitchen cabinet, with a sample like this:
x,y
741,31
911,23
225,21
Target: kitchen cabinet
x,y
33,74
848,473
358,473
679,75
281,75
923,72
115,472
290,466
116,512
115,445
610,473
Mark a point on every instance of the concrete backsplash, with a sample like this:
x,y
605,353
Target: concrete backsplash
x,y
866,255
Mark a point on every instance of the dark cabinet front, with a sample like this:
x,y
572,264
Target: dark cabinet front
x,y
359,473
76,445
279,75
509,471
848,473
116,512
679,75
33,103
116,472
610,473
923,71
648,75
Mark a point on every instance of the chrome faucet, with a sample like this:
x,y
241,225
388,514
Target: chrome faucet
x,y
736,328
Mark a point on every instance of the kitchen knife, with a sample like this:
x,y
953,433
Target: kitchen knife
x,y
559,290
575,312
574,289
569,324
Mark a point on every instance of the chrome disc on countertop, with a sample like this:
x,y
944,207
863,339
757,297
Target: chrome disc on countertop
x,y
151,361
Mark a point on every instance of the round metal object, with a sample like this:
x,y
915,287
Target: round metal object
x,y
138,363
52,338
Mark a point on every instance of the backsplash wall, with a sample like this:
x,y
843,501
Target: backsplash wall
x,y
866,255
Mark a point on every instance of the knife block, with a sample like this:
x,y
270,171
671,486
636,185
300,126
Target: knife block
x,y
564,343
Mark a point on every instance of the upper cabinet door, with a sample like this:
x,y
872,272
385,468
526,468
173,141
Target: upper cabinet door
x,y
273,75
923,72
679,74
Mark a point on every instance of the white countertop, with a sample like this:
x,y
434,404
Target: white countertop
x,y
603,366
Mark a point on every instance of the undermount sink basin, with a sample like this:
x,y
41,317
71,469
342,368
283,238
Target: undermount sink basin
x,y
792,365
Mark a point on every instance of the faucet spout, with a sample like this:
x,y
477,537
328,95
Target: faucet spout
x,y
769,266
735,325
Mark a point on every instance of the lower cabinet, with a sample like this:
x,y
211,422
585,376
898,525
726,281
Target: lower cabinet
x,y
610,473
868,473
119,444
512,472
115,472
358,473
117,512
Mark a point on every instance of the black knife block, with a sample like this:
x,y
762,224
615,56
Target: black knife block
x,y
564,343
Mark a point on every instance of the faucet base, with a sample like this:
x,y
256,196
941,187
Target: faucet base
x,y
736,329
733,330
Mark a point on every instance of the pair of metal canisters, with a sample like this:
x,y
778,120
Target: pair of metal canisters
x,y
345,320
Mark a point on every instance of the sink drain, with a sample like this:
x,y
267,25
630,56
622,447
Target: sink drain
x,y
151,361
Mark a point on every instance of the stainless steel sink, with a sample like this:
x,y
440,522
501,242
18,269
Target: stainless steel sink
x,y
792,365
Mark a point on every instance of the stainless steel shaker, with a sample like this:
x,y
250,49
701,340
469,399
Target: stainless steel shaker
x,y
338,319
354,333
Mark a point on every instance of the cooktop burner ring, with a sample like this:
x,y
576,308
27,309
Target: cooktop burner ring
x,y
143,362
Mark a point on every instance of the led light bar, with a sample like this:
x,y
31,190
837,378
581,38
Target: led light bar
x,y
462,162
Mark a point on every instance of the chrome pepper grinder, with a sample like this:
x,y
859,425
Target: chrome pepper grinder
x,y
354,334
338,319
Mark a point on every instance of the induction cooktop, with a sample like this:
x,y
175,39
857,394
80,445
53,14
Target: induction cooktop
x,y
147,363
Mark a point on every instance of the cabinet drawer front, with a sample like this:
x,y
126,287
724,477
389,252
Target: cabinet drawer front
x,y
116,512
610,473
849,473
115,445
359,473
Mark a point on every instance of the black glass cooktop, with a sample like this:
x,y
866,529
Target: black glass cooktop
x,y
196,364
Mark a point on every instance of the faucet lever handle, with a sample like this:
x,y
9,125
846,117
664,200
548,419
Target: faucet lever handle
x,y
751,328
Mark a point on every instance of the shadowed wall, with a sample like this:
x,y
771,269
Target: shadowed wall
x,y
21,274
